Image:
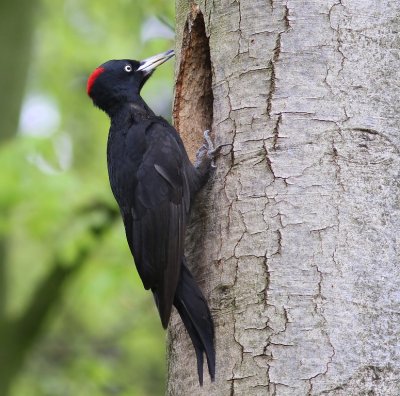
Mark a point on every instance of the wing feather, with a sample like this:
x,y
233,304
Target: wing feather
x,y
156,223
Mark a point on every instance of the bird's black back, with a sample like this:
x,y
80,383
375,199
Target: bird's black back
x,y
152,179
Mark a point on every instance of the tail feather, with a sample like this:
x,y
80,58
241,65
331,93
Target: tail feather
x,y
196,316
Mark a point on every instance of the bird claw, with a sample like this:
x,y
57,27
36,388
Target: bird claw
x,y
208,149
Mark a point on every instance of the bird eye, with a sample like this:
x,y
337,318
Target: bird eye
x,y
128,68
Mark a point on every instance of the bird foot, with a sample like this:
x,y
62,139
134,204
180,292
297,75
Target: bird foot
x,y
207,152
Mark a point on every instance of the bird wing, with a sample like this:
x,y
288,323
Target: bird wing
x,y
157,219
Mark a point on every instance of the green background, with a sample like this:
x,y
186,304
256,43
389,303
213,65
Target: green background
x,y
74,317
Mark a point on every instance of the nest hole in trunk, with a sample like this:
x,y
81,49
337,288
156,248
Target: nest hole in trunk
x,y
193,105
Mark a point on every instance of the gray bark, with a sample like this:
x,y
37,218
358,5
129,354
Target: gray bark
x,y
295,242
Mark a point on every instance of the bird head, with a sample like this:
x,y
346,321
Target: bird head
x,y
119,81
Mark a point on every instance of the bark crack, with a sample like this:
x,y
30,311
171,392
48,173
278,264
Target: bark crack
x,y
337,31
267,281
318,309
335,156
275,58
268,161
240,29
272,87
286,17
276,132
279,242
232,389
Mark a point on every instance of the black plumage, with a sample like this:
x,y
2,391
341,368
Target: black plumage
x,y
154,183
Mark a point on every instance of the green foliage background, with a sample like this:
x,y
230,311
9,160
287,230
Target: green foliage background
x,y
100,334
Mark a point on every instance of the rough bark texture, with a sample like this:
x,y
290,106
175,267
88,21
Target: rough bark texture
x,y
295,242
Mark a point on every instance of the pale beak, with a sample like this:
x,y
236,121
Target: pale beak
x,y
149,64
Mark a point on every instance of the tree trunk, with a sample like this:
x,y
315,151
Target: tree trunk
x,y
295,240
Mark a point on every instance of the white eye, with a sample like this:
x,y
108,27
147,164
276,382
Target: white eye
x,y
128,68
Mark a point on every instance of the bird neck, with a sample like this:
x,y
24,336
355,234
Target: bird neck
x,y
139,109
135,110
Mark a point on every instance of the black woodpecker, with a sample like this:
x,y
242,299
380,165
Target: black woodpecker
x,y
154,183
